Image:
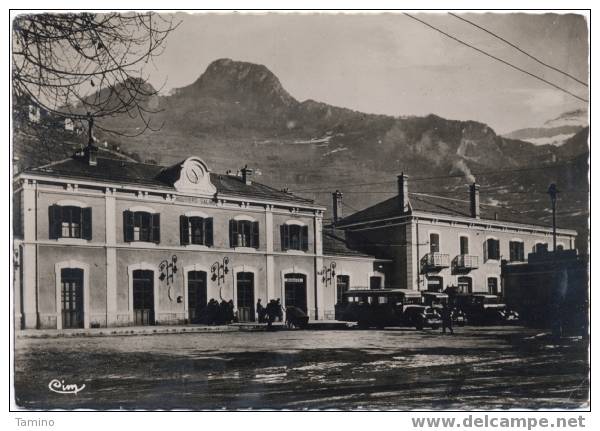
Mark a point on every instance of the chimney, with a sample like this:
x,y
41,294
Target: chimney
x,y
474,189
91,151
403,192
247,175
337,206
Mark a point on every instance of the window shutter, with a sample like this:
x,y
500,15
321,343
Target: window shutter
x,y
156,228
285,236
128,226
486,246
184,232
304,238
86,223
208,232
497,248
233,230
54,221
255,239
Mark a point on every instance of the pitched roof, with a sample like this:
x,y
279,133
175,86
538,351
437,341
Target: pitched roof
x,y
147,175
334,243
420,202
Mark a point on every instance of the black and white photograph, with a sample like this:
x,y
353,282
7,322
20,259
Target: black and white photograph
x,y
262,210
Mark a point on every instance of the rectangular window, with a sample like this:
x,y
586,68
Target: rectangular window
x,y
294,237
70,222
141,226
541,248
517,251
196,230
493,249
464,245
492,285
243,233
434,243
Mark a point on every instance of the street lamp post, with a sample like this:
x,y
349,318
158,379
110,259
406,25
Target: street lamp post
x,y
553,192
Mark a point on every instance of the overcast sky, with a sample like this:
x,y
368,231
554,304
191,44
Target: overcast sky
x,y
390,64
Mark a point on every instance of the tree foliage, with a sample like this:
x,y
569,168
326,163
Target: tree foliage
x,y
88,66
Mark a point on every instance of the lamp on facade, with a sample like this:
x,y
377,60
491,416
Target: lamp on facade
x,y
219,270
167,272
328,273
553,192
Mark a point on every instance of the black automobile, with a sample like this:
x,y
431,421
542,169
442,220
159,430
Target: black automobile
x,y
437,300
421,316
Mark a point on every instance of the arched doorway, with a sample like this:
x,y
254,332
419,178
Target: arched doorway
x,y
245,296
197,295
295,291
465,285
143,297
71,280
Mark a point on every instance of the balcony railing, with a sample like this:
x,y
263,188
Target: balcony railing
x,y
435,261
466,262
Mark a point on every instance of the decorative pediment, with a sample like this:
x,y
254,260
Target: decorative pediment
x,y
190,176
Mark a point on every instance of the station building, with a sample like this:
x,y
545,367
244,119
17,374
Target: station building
x,y
101,242
436,242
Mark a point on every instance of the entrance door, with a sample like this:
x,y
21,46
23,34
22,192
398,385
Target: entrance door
x,y
435,284
143,297
465,285
295,291
375,282
343,284
493,285
245,296
197,296
72,297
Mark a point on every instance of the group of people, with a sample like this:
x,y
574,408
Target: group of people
x,y
273,311
216,313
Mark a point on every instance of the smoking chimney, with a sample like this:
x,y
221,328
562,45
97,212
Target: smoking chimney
x,y
337,206
474,189
403,192
247,175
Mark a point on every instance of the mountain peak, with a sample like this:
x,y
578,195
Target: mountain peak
x,y
233,81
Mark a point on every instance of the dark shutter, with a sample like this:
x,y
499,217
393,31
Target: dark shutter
x,y
128,226
497,248
255,241
208,232
285,236
156,228
184,232
54,221
86,223
464,245
233,230
304,238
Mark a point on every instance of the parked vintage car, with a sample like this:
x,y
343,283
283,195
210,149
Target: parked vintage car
x,y
437,301
421,316
486,309
295,318
387,307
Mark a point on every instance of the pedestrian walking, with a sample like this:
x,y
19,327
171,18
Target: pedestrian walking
x,y
447,319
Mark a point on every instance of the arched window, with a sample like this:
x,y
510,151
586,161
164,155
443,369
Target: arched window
x,y
243,233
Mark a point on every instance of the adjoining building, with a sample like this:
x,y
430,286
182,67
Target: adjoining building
x,y
103,242
435,242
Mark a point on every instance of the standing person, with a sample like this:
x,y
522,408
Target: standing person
x,y
447,319
260,310
271,312
230,315
279,310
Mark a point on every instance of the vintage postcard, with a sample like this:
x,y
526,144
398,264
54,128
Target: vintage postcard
x,y
300,210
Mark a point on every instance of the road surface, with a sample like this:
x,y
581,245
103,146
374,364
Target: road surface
x,y
495,367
